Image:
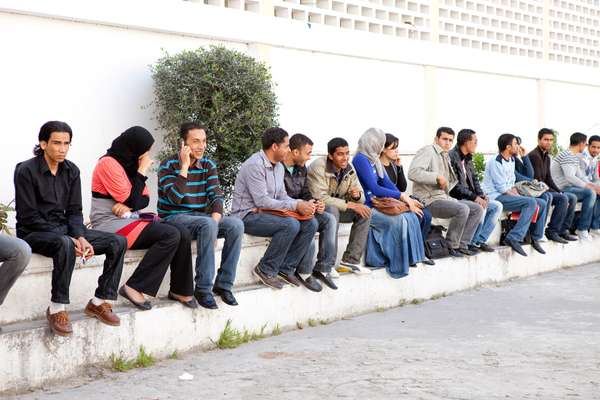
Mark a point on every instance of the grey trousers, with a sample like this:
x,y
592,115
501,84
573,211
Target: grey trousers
x,y
358,233
14,257
464,217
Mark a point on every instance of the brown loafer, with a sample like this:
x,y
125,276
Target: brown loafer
x,y
59,323
103,312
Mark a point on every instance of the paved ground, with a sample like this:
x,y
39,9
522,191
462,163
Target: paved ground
x,y
537,338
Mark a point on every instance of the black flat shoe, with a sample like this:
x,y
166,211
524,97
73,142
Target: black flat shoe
x,y
428,261
455,253
145,306
412,265
467,252
537,247
555,237
191,304
486,248
516,246
569,237
226,296
326,279
206,300
310,283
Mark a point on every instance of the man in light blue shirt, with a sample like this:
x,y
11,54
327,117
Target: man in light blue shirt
x,y
499,184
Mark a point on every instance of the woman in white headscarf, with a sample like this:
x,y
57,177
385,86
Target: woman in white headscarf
x,y
394,242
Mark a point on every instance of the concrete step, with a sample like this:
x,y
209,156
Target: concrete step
x,y
29,297
32,356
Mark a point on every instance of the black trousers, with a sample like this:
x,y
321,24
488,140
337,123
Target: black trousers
x,y
167,243
62,250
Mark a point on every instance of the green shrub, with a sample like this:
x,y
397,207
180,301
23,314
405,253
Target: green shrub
x,y
479,164
228,92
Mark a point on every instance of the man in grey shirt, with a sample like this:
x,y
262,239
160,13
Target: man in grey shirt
x,y
14,257
259,185
570,176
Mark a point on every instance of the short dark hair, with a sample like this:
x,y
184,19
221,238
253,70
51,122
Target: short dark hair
x,y
444,129
464,135
504,141
186,127
334,143
545,131
273,136
298,140
594,138
391,140
577,138
46,131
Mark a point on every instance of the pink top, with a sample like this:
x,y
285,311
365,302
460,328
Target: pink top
x,y
109,178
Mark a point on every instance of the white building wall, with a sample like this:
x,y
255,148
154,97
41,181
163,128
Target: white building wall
x,y
88,63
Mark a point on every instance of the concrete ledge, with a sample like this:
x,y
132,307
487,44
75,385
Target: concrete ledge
x,y
31,356
35,283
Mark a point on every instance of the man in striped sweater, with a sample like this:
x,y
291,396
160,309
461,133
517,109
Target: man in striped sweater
x,y
189,194
570,176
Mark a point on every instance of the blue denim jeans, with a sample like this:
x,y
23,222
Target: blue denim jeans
x,y
290,240
327,254
526,206
563,212
205,230
587,197
485,229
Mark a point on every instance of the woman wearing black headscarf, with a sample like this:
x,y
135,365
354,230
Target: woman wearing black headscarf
x,y
119,192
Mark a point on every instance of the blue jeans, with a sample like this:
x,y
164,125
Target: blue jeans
x,y
588,200
290,240
327,246
485,229
205,231
526,206
563,213
596,218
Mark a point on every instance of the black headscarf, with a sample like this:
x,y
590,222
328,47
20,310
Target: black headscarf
x,y
128,147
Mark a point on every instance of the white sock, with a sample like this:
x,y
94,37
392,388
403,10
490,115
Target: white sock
x,y
304,276
96,301
56,307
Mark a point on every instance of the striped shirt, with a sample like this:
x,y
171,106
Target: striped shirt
x,y
567,171
199,192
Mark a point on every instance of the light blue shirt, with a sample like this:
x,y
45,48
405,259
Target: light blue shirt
x,y
259,184
499,176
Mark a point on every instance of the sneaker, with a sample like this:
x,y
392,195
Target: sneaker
x,y
334,274
584,236
356,268
595,232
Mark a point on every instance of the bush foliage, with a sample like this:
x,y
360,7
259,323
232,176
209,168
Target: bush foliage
x,y
228,92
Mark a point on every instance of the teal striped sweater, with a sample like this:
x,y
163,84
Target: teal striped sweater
x,y
199,192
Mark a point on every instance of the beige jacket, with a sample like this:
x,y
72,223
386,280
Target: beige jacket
x,y
430,162
323,185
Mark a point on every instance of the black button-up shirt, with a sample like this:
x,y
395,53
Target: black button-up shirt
x,y
46,202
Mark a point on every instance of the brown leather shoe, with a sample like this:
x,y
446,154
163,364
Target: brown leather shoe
x,y
59,323
103,312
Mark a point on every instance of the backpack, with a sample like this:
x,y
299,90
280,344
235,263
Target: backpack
x,y
435,244
506,225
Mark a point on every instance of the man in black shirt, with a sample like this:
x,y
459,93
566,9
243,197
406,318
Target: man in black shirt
x,y
564,202
50,220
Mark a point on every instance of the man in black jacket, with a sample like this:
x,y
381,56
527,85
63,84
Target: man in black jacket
x,y
564,202
468,188
296,186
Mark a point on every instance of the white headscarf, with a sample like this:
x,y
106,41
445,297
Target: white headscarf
x,y
371,144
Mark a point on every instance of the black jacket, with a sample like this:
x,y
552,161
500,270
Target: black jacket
x,y
468,187
296,184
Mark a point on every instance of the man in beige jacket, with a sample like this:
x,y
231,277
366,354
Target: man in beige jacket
x,y
433,178
332,180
